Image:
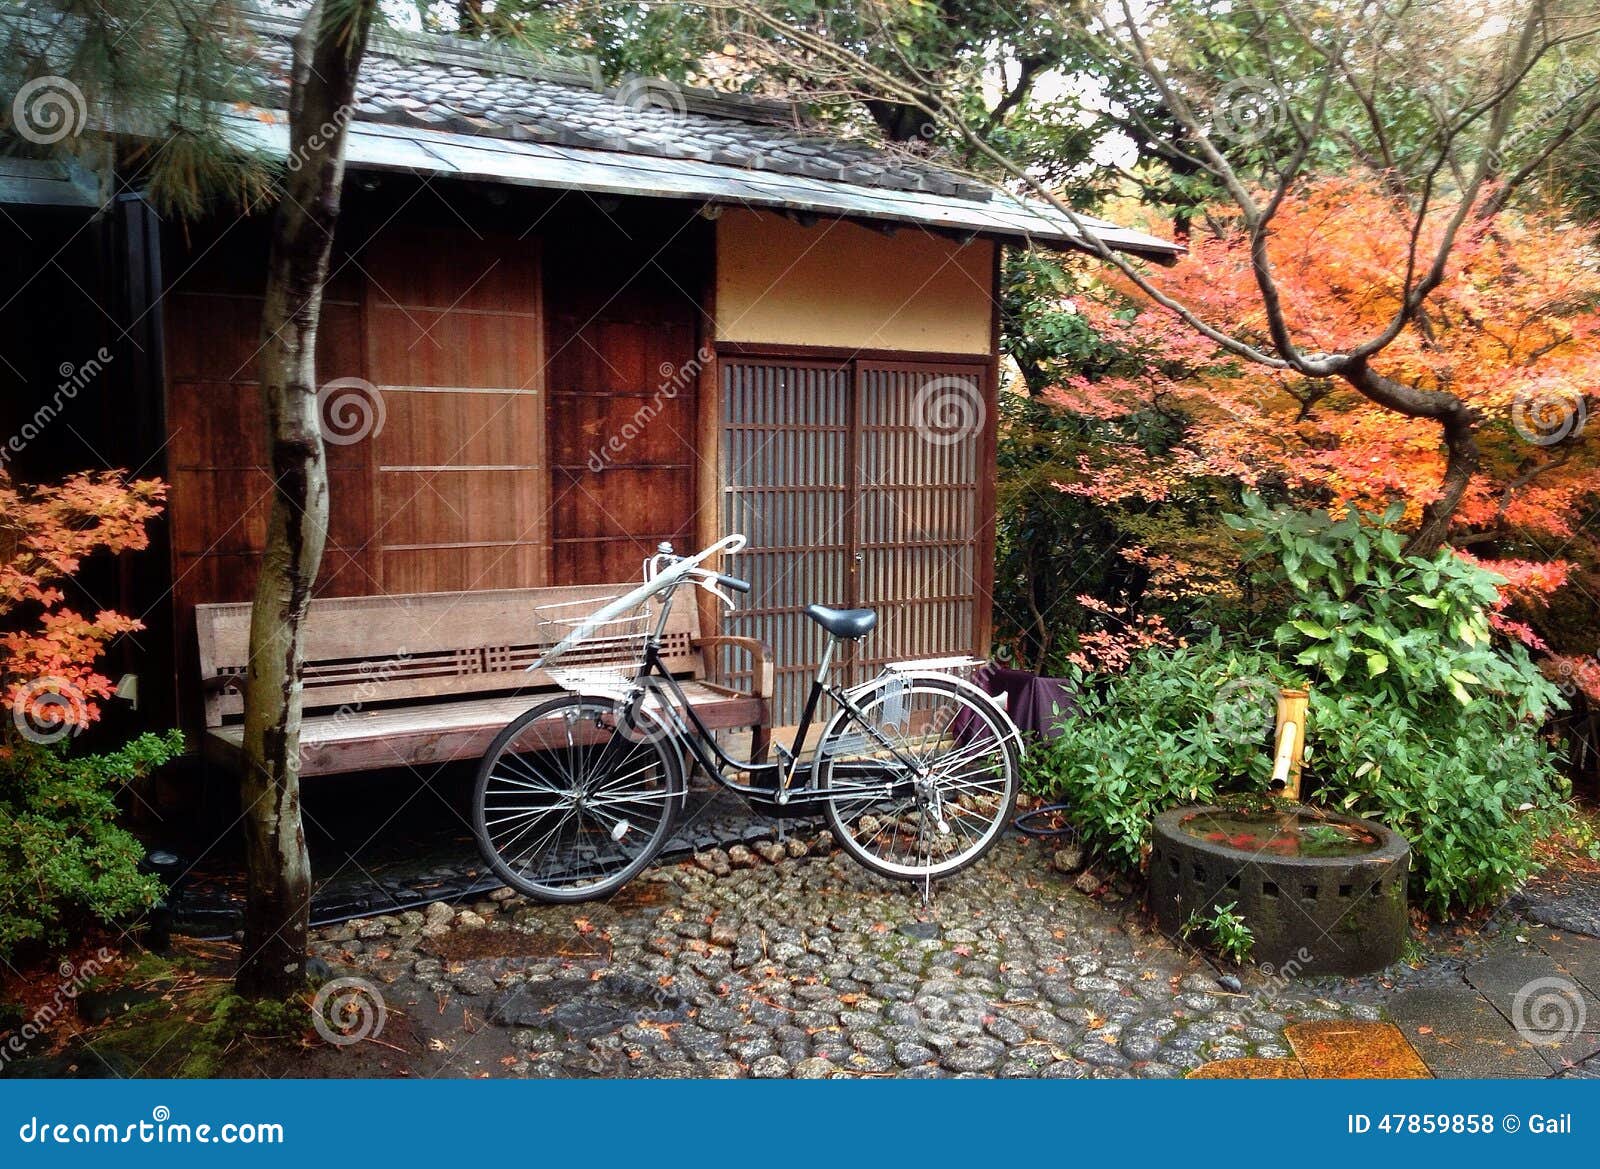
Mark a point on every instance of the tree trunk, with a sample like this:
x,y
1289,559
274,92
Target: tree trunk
x,y
1458,420
1461,464
328,55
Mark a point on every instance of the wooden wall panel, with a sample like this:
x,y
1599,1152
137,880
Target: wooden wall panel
x,y
455,490
450,491
623,391
220,486
455,349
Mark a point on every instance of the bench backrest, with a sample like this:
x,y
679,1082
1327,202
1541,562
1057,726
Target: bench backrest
x,y
370,650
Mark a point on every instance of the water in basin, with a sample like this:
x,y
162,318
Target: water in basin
x,y
1281,833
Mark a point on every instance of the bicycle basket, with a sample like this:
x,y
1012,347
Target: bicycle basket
x,y
603,656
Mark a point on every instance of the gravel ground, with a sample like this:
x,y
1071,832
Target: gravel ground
x,y
781,960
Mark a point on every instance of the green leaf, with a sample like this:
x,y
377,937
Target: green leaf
x,y
1422,601
1312,629
1377,664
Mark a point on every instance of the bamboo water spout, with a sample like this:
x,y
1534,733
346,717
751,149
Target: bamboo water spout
x,y
1291,742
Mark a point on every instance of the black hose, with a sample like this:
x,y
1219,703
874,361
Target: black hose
x,y
1024,825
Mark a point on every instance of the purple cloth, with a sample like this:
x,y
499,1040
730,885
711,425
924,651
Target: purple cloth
x,y
1037,705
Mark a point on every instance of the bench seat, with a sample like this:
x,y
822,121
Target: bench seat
x,y
423,679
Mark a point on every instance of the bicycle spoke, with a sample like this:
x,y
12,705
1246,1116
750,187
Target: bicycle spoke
x,y
572,804
952,776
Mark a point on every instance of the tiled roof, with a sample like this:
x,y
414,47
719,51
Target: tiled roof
x,y
441,83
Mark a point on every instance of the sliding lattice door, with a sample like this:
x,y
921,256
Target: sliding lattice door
x,y
858,484
917,442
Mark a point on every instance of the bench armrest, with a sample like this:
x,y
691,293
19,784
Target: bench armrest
x,y
761,678
221,683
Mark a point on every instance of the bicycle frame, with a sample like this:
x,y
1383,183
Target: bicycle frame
x,y
769,780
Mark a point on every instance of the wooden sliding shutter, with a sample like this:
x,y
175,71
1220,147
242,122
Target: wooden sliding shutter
x,y
852,494
917,444
786,457
454,345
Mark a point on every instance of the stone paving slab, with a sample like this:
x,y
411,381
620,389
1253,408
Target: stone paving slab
x,y
1460,1035
1345,1050
1249,1069
1577,955
1536,993
1566,901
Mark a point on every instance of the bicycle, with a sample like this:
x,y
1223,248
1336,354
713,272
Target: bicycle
x,y
916,770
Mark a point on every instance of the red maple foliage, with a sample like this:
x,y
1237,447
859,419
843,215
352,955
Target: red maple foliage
x,y
1514,331
48,650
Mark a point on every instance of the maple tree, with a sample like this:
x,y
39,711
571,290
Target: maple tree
x,y
49,650
1512,331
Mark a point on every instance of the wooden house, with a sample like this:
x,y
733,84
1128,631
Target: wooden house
x,y
564,324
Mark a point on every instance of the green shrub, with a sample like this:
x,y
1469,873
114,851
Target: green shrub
x,y
1419,718
62,855
1180,727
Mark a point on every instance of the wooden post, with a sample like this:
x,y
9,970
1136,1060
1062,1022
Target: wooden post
x,y
1290,741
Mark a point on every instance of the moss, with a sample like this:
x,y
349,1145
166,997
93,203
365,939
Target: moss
x,y
188,1025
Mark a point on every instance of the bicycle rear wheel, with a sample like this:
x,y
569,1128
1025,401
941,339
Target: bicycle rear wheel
x,y
574,798
945,805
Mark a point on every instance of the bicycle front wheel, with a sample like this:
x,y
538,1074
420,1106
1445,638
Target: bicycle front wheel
x,y
575,797
935,802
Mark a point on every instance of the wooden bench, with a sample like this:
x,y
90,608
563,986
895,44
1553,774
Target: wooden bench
x,y
425,678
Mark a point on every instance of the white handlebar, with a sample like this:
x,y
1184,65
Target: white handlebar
x,y
662,575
